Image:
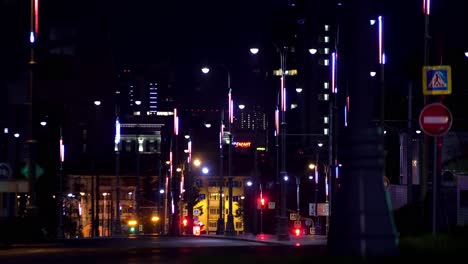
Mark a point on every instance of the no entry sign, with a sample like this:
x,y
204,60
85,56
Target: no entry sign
x,y
435,119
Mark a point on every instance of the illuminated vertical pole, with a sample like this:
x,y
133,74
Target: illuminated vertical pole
x,y
283,233
60,234
175,228
117,225
34,30
382,75
278,194
220,225
230,231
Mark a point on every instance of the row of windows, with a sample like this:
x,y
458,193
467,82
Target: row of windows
x,y
215,197
238,184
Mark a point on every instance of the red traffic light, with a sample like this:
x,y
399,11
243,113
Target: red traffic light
x,y
185,222
262,202
297,231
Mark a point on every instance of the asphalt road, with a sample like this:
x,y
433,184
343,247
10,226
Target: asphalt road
x,y
160,250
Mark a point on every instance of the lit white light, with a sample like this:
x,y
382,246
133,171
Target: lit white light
x,y
385,132
5,130
254,50
138,102
205,170
97,102
43,123
16,135
249,183
299,90
320,144
70,195
241,106
311,177
207,125
418,131
161,191
286,178
32,39
312,51
205,70
187,136
372,73
466,54
197,163
372,22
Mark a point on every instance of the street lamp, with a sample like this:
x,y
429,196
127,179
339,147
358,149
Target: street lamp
x,y
280,123
230,219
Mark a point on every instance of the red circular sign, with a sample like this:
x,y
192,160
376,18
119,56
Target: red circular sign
x,y
435,119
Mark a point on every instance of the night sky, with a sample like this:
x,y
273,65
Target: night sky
x,y
189,34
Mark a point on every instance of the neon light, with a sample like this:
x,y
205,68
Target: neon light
x,y
277,121
189,160
62,150
36,17
326,187
117,131
336,172
345,116
283,95
316,176
32,39
230,107
381,60
176,122
333,71
243,144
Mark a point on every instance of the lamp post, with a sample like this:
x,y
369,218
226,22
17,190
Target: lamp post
x,y
220,225
117,227
60,234
280,120
229,231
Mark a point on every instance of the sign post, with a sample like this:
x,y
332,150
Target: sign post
x,y
435,120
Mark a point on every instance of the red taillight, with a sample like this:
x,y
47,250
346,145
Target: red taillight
x,y
297,231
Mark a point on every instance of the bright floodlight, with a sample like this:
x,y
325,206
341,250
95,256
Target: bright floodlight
x,y
138,102
466,54
187,136
320,144
286,178
43,123
372,22
161,191
16,135
418,131
241,106
249,183
205,170
197,163
205,70
311,166
207,125
372,73
97,102
312,51
299,90
254,50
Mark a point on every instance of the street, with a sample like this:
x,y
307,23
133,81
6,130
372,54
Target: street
x,y
155,249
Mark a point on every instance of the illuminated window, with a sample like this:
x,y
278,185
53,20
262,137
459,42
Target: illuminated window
x,y
325,119
214,211
326,62
325,131
325,97
238,225
214,196
326,39
212,224
326,50
326,85
327,27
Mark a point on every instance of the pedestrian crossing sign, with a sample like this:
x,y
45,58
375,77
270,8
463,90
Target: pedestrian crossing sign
x,y
437,80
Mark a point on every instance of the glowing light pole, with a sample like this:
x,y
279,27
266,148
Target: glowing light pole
x,y
117,226
60,234
230,218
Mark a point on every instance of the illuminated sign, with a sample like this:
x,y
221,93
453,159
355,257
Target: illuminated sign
x,y
243,144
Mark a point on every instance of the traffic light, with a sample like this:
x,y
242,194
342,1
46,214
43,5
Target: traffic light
x,y
262,201
297,231
185,222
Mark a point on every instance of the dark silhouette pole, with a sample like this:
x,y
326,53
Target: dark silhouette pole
x,y
220,225
362,224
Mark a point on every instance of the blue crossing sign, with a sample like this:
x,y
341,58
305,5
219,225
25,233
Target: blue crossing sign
x,y
437,80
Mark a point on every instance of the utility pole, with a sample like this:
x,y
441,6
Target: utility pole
x,y
362,224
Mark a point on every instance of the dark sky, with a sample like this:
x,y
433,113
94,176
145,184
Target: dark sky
x,y
189,34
